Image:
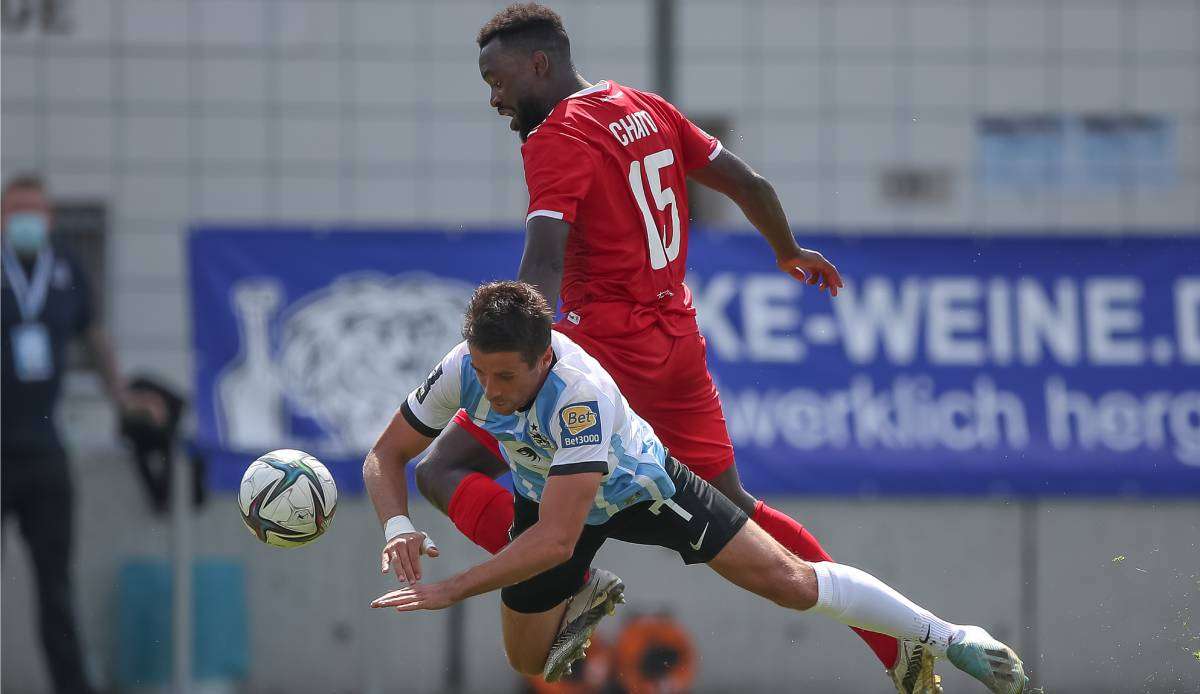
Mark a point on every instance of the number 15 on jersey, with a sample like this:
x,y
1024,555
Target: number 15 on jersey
x,y
664,248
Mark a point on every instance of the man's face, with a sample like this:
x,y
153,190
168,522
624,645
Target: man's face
x,y
509,382
515,76
25,220
23,201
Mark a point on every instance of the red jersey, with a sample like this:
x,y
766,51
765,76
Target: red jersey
x,y
613,162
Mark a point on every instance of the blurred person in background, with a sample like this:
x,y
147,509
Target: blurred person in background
x,y
46,304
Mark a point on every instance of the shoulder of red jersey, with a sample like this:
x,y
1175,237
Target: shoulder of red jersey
x,y
587,116
571,115
556,139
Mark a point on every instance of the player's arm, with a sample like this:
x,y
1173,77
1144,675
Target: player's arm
x,y
415,424
559,168
729,175
542,261
384,478
565,504
582,441
383,470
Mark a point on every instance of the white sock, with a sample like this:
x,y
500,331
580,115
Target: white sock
x,y
858,599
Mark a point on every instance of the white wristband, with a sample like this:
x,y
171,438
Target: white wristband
x,y
397,525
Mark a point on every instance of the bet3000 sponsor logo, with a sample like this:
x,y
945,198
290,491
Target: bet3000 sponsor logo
x,y
580,424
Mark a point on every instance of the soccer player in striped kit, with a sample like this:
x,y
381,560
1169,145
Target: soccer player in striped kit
x,y
587,468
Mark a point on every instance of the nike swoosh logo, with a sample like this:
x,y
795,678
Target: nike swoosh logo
x,y
926,639
614,95
697,543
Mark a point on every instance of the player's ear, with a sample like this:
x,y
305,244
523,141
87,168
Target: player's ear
x,y
541,63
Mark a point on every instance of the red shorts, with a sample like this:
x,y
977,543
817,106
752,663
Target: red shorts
x,y
666,381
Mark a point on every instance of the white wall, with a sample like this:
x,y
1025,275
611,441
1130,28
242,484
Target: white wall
x,y
825,93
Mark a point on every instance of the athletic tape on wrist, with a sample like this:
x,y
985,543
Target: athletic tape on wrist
x,y
399,525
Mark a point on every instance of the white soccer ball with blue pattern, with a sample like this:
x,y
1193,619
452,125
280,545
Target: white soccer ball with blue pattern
x,y
287,498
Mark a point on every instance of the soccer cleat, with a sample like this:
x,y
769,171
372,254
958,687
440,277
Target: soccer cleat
x,y
597,599
989,661
913,673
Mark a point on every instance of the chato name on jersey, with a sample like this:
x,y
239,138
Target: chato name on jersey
x,y
633,127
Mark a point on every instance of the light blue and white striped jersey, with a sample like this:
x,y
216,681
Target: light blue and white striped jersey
x,y
579,422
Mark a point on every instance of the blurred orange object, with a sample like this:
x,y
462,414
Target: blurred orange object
x,y
655,655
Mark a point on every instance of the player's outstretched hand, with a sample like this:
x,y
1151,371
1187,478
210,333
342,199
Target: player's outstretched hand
x,y
419,596
403,555
812,268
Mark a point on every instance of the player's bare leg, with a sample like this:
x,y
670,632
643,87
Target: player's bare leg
x,y
693,429
910,666
528,636
547,643
757,563
457,476
729,483
452,456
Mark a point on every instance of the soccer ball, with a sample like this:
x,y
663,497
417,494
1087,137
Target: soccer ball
x,y
287,498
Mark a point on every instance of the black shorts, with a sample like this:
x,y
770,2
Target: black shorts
x,y
698,521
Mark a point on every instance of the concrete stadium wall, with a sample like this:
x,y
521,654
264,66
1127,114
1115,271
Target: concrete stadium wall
x,y
1094,625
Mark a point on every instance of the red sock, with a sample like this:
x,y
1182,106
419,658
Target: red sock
x,y
483,511
796,538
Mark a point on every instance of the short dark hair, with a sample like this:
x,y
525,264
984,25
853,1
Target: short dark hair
x,y
509,317
530,25
22,180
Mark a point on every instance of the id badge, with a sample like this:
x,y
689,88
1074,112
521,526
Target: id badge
x,y
32,358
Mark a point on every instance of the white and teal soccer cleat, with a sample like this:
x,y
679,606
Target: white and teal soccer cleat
x,y
913,673
597,599
989,661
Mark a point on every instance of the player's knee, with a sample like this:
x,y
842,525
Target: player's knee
x,y
427,473
438,474
730,485
745,501
793,585
804,585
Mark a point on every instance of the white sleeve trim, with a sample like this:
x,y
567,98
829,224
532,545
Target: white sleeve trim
x,y
597,87
716,150
544,213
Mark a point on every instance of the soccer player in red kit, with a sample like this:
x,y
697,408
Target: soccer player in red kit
x,y
607,232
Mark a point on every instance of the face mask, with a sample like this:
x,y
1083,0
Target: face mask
x,y
26,232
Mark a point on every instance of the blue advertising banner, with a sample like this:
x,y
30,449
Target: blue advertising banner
x,y
1029,366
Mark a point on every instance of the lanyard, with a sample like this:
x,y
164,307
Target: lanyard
x,y
30,296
